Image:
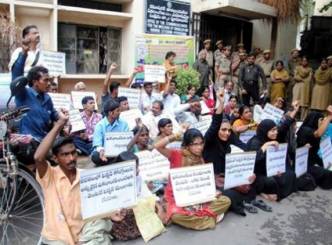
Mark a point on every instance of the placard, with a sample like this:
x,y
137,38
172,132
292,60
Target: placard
x,y
76,121
108,188
238,169
116,142
154,73
61,101
153,165
167,17
301,161
247,135
258,112
193,185
77,97
326,149
276,160
55,62
205,109
133,96
130,117
203,125
273,113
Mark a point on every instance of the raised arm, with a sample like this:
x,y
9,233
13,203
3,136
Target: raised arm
x,y
324,124
107,80
216,120
46,144
131,78
161,144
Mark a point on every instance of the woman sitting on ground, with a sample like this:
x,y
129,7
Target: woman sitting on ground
x,y
245,122
191,93
208,214
208,99
141,140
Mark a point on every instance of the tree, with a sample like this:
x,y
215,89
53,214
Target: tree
x,y
326,7
286,9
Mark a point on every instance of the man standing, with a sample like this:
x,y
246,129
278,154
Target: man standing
x,y
249,80
202,67
209,55
267,65
170,99
223,68
236,66
217,53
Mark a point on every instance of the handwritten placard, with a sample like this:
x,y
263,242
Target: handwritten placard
x,y
106,189
193,185
153,165
154,73
61,101
116,142
247,135
239,168
258,112
55,62
326,149
276,160
130,117
77,97
133,96
301,161
204,124
273,113
76,121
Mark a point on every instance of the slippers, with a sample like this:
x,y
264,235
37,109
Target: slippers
x,y
250,208
261,205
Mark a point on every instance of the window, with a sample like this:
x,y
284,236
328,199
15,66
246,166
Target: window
x,y
92,4
89,49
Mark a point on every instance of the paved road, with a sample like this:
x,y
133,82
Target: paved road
x,y
304,218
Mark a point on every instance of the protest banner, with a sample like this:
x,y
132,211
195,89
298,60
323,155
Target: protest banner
x,y
76,121
205,109
258,112
108,188
272,112
130,117
301,161
326,150
193,185
276,160
77,97
153,165
55,62
116,142
203,125
247,135
5,80
154,73
61,101
133,96
239,168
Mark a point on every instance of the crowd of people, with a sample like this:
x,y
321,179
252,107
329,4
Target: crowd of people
x,y
231,84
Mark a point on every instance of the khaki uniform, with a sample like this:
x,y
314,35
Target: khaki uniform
x,y
217,56
267,66
292,64
223,67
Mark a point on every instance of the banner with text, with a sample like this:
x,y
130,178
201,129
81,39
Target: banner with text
x,y
116,142
76,121
61,101
130,117
301,160
77,97
55,62
133,96
326,149
276,160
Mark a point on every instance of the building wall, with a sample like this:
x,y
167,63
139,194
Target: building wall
x,y
261,34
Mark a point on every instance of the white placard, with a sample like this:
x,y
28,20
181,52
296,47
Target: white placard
x,y
326,149
276,160
301,161
247,135
77,97
61,101
273,113
258,112
239,167
133,96
55,62
116,142
205,108
193,185
203,125
153,165
130,117
154,73
108,188
76,121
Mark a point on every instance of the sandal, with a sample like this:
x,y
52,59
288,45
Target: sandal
x,y
250,208
261,205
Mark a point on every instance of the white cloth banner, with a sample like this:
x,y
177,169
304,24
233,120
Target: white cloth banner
x,y
61,101
130,117
55,62
133,96
76,121
108,188
154,73
205,108
153,165
239,167
193,185
247,135
116,142
301,160
77,97
276,160
326,149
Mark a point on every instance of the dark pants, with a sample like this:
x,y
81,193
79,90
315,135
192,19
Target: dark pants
x,y
322,176
84,146
96,159
252,92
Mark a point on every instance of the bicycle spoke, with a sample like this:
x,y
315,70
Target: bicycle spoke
x,y
28,201
27,217
29,222
23,194
16,233
26,230
28,209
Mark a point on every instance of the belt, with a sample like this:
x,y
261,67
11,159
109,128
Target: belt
x,y
250,82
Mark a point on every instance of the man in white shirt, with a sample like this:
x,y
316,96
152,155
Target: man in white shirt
x,y
228,91
189,113
171,99
148,97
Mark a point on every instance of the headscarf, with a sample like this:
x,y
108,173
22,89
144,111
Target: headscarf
x,y
263,128
311,120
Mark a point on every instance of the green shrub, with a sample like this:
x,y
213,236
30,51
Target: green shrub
x,y
184,77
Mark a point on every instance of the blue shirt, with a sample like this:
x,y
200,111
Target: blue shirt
x,y
39,120
105,126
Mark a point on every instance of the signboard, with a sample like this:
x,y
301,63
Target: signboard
x,y
301,161
239,168
276,160
77,97
106,189
258,112
154,73
133,96
61,101
203,125
55,62
170,17
326,149
116,142
153,165
193,185
76,121
273,113
247,135
130,117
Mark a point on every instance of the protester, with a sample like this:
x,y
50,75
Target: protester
x,y
207,215
231,106
208,99
148,97
141,140
279,80
165,128
189,113
191,93
80,86
245,122
123,101
54,87
170,99
228,91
